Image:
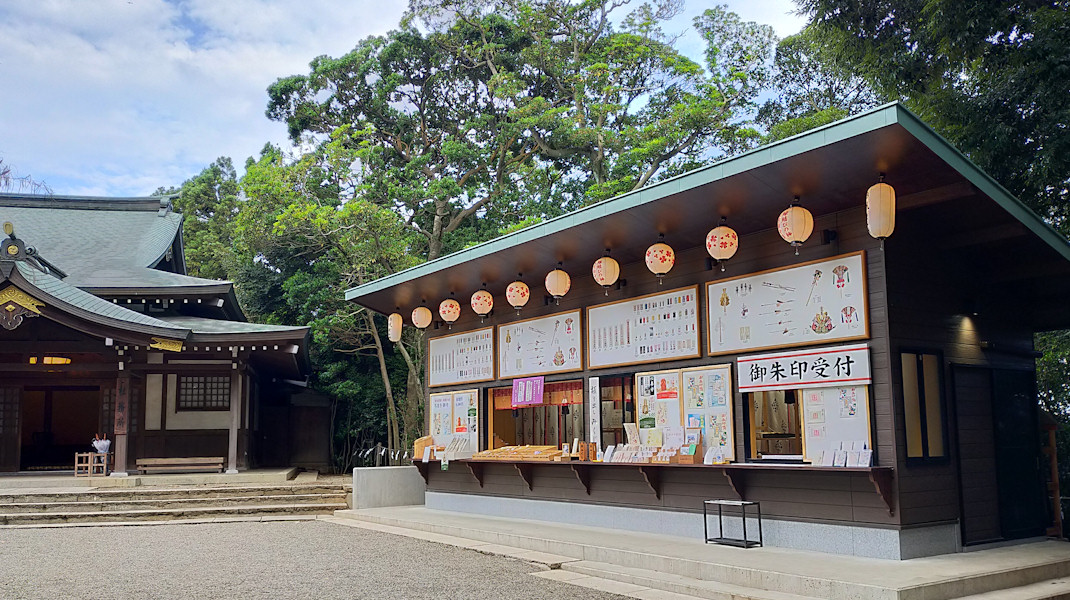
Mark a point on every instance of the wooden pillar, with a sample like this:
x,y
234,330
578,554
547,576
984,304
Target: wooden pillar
x,y
235,419
121,412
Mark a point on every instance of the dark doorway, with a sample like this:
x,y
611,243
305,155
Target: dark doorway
x,y
57,422
10,402
1002,494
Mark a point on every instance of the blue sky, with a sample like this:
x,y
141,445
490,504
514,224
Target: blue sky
x,y
119,97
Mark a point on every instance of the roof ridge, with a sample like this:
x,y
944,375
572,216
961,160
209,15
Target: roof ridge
x,y
63,202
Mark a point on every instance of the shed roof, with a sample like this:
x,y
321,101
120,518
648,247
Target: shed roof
x,y
829,168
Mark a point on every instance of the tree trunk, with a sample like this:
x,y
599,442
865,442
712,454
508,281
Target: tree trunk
x,y
393,440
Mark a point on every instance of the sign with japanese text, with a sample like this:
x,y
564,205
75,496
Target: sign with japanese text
x,y
527,391
811,368
594,410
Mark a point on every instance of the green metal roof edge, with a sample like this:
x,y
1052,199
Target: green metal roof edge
x,y
983,181
864,122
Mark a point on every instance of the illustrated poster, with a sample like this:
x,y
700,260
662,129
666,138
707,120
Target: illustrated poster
x,y
658,399
835,418
442,418
652,328
814,303
707,405
540,346
461,358
466,416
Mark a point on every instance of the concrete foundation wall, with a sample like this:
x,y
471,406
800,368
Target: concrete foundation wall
x,y
871,542
376,487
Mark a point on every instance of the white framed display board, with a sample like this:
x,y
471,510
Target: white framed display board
x,y
455,414
541,346
656,327
708,406
816,302
835,418
657,399
461,358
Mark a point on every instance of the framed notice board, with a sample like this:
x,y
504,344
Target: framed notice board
x,y
541,346
656,327
461,358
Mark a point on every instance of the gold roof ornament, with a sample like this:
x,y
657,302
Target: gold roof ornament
x,y
166,344
9,228
15,306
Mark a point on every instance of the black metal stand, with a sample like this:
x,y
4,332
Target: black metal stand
x,y
721,539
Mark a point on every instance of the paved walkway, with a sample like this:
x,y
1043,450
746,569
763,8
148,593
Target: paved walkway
x,y
276,560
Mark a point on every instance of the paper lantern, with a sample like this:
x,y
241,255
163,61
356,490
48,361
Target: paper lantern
x,y
558,283
517,294
722,242
421,317
660,258
482,303
393,327
450,310
795,225
880,210
605,271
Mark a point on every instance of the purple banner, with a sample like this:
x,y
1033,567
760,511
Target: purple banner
x,y
527,391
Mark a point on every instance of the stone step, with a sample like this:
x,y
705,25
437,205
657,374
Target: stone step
x,y
1052,589
47,518
142,503
163,493
677,584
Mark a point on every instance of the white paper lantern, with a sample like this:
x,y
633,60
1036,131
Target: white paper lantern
x,y
558,283
606,271
795,225
450,310
517,294
421,317
880,211
659,259
722,242
482,303
393,327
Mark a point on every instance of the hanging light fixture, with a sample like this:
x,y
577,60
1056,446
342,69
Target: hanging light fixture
x,y
605,270
450,310
518,293
880,210
482,303
795,224
722,242
393,327
660,258
421,317
558,283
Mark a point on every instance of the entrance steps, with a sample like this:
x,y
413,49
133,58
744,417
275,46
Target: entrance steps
x,y
687,566
168,504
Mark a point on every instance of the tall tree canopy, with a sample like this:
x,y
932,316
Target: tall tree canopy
x,y
993,77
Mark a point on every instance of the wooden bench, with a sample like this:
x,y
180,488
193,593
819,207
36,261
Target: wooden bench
x,y
172,465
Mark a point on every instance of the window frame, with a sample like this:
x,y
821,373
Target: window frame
x,y
181,383
923,401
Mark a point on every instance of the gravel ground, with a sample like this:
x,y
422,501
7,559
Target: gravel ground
x,y
295,559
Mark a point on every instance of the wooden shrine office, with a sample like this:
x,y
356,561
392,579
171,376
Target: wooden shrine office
x,y
867,375
102,331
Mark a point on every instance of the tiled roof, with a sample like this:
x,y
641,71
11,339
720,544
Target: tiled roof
x,y
202,326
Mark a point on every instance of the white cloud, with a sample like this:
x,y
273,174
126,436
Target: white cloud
x,y
123,96
119,97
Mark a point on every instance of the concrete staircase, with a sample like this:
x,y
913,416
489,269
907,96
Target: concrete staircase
x,y
202,503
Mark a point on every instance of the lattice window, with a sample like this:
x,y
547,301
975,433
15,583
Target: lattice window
x,y
203,393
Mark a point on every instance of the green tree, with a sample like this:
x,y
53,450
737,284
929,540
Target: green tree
x,y
812,86
992,77
209,203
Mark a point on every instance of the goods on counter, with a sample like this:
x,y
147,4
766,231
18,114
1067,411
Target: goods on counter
x,y
532,453
420,444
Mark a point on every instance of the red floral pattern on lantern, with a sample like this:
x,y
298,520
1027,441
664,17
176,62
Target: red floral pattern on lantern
x,y
449,310
660,258
482,302
517,294
722,242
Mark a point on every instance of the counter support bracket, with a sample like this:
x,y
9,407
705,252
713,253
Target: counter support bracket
x,y
652,475
737,481
527,473
423,468
477,471
882,483
583,473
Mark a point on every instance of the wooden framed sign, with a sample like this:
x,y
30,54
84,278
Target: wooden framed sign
x,y
648,329
540,346
461,358
817,302
708,406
